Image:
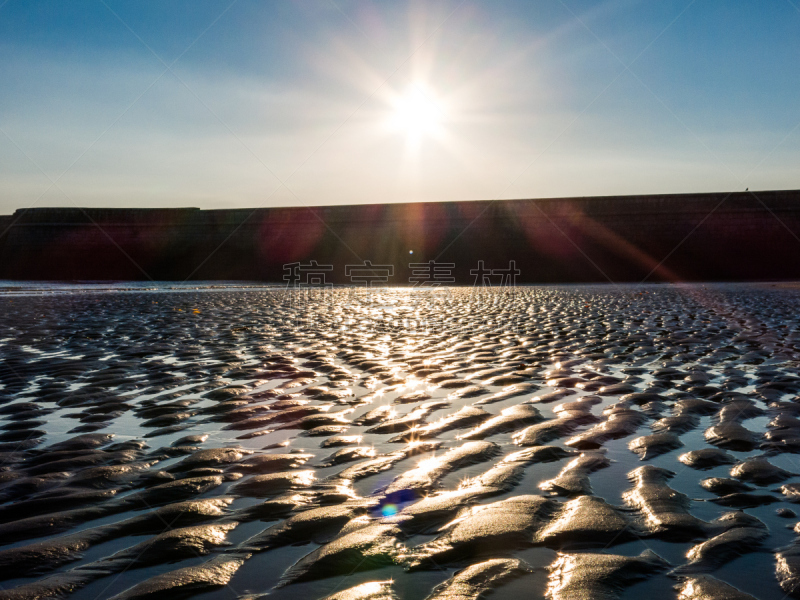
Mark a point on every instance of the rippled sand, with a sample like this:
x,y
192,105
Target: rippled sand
x,y
572,442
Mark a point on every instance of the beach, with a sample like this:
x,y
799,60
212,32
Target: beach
x,y
560,441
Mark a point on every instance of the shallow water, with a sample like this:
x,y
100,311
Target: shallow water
x,y
304,374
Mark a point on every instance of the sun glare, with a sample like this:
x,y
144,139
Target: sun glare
x,y
417,113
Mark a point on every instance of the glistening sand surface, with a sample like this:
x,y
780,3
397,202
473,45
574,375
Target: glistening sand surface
x,y
302,444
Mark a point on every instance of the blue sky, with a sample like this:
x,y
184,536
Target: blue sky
x,y
251,103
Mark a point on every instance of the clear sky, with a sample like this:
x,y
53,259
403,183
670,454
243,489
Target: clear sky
x,y
250,103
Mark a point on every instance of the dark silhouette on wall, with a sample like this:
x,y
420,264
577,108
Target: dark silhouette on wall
x,y
713,237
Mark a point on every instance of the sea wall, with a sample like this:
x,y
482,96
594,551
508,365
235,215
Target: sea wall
x,y
688,237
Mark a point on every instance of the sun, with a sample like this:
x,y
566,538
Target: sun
x,y
417,113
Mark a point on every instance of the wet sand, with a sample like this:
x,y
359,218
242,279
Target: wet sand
x,y
567,442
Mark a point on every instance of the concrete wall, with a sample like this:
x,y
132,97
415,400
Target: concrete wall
x,y
741,236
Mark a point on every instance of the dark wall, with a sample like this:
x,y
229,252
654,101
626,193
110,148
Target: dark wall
x,y
740,236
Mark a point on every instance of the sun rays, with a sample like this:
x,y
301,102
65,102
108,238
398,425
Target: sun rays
x,y
417,114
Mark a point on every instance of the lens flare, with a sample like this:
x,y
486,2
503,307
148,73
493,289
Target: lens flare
x,y
388,510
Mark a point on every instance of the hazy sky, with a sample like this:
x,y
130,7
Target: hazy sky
x,y
251,103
